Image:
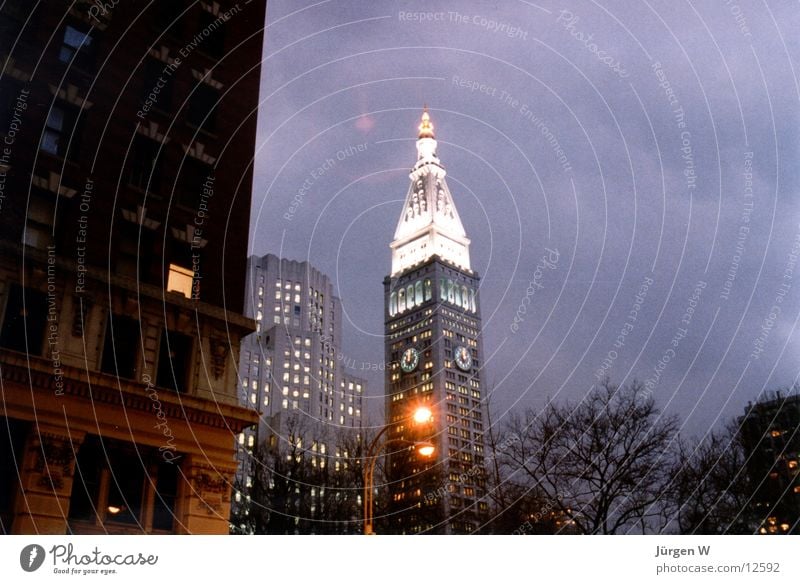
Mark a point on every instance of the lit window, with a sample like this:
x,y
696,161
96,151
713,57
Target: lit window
x,y
180,280
74,42
61,128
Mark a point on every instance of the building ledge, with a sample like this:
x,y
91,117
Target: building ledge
x,y
40,374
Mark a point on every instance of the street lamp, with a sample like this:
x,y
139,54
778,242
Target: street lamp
x,y
424,448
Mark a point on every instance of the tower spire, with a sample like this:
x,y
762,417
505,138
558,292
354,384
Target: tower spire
x,y
426,127
429,223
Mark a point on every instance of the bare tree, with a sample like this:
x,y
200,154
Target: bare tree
x,y
602,463
711,491
308,481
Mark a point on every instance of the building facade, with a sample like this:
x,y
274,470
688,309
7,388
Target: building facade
x,y
433,346
770,436
292,369
127,138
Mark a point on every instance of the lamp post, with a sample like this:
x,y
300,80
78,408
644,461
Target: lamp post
x,y
423,448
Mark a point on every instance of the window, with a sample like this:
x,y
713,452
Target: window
x,y
114,480
168,17
39,220
77,47
214,43
174,360
195,175
157,83
9,92
12,442
13,15
121,346
180,280
61,131
129,261
145,167
202,103
25,319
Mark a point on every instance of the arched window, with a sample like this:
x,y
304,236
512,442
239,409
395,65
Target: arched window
x,y
443,289
450,292
410,296
428,289
418,292
393,304
401,300
472,304
464,298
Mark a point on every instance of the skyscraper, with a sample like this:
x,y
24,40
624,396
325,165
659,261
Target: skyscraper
x,y
125,181
433,346
292,369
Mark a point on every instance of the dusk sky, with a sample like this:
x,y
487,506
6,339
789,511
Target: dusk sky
x,y
647,150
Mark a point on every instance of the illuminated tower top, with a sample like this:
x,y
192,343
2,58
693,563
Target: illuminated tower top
x,y
429,224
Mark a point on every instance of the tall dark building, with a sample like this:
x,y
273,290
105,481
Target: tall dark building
x,y
770,431
433,343
127,132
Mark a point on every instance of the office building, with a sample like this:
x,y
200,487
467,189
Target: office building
x,y
127,136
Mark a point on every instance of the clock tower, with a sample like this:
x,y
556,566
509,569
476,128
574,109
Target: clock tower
x,y
434,357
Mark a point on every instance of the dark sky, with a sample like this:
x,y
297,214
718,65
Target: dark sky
x,y
645,143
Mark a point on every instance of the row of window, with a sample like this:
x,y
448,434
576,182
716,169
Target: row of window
x,y
421,291
25,324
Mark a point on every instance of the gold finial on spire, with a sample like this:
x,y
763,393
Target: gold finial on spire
x,y
426,127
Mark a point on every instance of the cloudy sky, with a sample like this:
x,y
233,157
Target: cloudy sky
x,y
648,150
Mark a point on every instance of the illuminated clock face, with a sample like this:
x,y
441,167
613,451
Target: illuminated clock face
x,y
463,358
409,360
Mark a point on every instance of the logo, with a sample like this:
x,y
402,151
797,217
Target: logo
x,y
31,557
